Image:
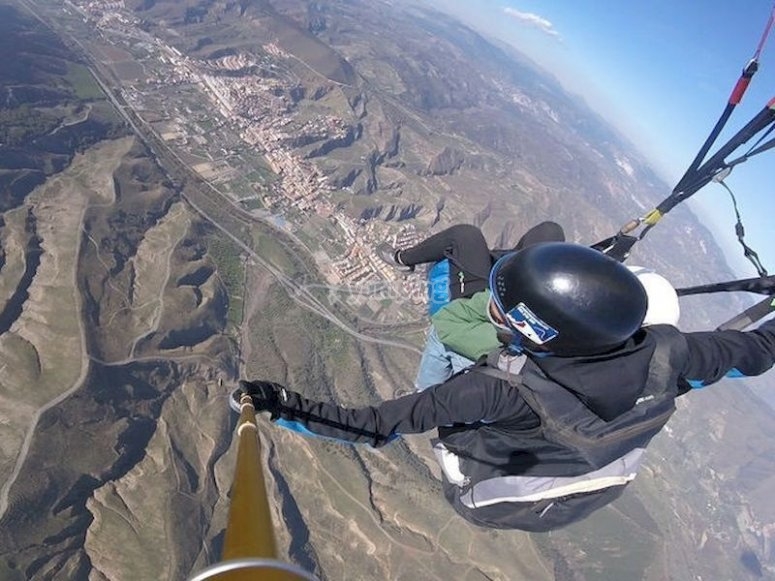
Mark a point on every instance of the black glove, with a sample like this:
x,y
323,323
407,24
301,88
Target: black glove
x,y
266,395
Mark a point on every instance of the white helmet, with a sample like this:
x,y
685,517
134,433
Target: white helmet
x,y
663,306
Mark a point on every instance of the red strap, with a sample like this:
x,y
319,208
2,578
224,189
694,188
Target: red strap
x,y
739,90
753,64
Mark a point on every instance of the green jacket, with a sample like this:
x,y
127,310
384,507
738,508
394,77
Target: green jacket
x,y
463,326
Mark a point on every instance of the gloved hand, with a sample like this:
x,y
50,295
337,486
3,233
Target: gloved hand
x,y
266,395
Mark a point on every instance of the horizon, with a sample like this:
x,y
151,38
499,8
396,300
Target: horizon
x,y
608,54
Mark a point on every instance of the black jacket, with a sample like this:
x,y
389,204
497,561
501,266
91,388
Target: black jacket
x,y
499,443
608,384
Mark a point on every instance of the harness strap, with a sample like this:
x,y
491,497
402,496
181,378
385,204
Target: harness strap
x,y
763,285
749,316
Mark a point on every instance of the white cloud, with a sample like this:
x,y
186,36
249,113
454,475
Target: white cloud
x,y
533,20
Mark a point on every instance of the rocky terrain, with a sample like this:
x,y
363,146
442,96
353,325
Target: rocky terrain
x,y
436,125
50,109
111,315
121,304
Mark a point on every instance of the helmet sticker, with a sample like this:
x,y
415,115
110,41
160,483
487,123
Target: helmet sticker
x,y
525,321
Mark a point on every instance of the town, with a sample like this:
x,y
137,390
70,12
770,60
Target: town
x,y
231,120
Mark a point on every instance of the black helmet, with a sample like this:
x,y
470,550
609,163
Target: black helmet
x,y
570,298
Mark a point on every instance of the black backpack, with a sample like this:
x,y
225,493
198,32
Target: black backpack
x,y
566,422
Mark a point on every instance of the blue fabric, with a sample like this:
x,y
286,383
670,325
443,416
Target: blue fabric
x,y
438,363
732,374
300,428
296,427
438,286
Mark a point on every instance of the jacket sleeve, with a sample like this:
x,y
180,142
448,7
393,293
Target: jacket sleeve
x,y
465,399
717,354
463,326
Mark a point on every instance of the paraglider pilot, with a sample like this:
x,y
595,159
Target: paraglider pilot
x,y
547,446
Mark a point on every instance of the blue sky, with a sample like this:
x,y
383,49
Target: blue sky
x,y
662,72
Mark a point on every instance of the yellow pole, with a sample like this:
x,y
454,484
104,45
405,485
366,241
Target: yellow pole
x,y
249,532
249,550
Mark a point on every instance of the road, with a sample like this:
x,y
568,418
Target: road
x,y
300,293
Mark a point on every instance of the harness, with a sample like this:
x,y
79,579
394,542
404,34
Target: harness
x,y
611,450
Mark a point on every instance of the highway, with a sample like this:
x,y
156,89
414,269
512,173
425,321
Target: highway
x,y
300,293
172,164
